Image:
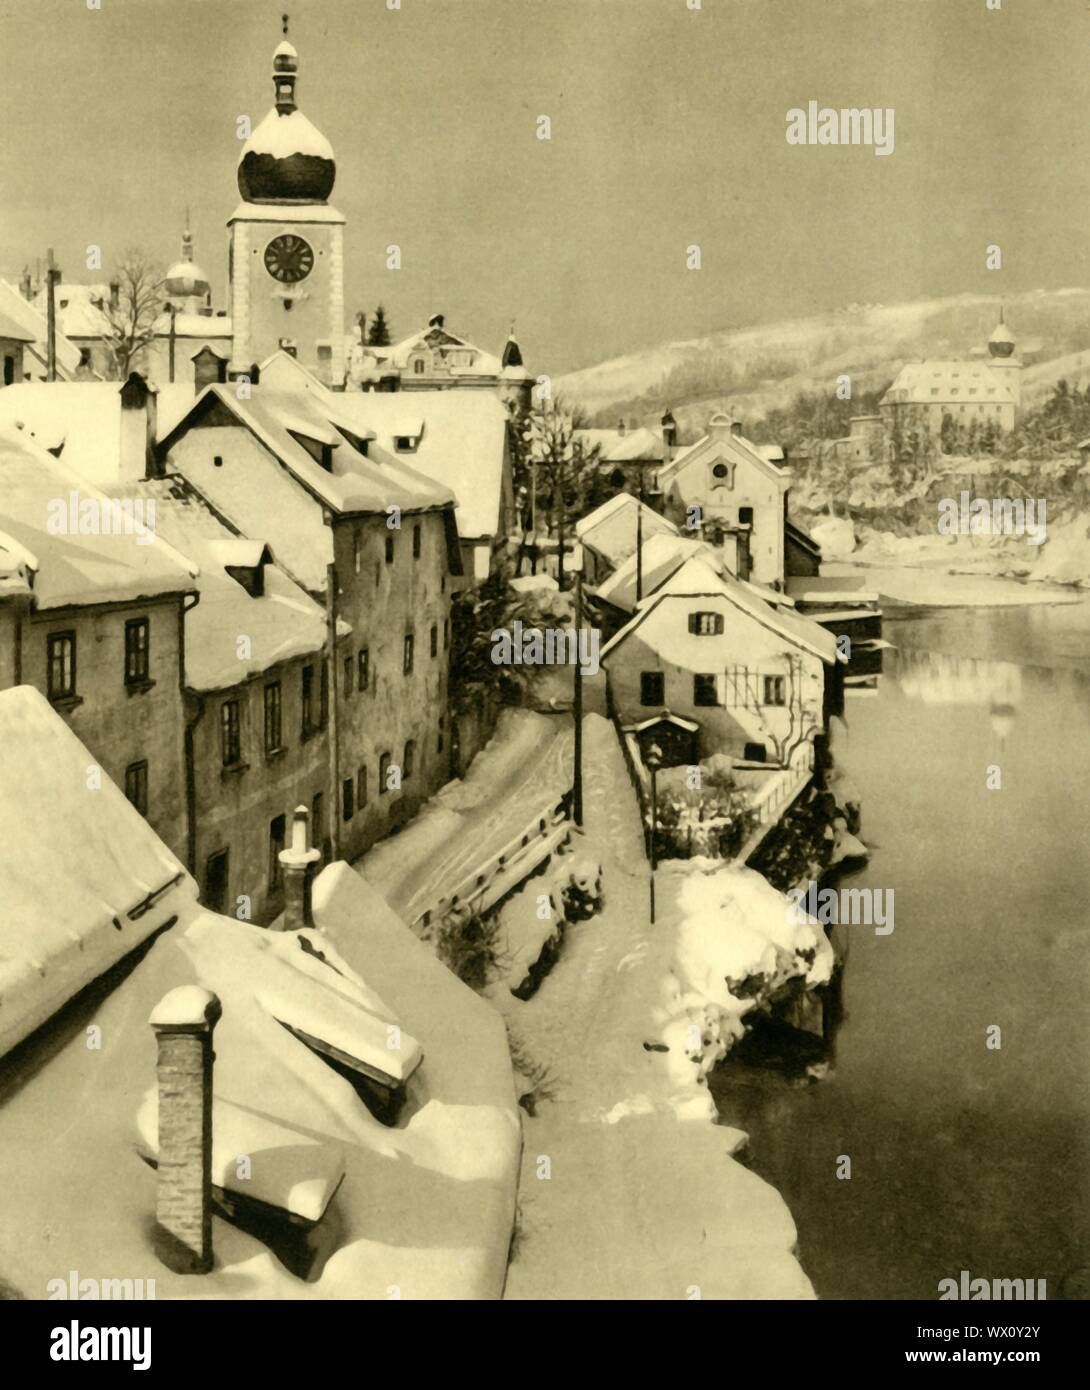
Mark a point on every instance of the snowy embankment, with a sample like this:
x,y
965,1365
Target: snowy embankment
x,y
628,1186
524,766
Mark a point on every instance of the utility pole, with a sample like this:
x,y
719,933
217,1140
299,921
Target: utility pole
x,y
577,709
53,275
654,762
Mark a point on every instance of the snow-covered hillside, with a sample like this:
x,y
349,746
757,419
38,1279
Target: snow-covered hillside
x,y
758,368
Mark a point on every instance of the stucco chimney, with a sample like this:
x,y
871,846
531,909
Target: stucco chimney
x,y
736,427
621,426
138,427
297,863
183,1021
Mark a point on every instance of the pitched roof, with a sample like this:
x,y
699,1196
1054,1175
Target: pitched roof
x,y
611,528
33,323
625,446
42,505
697,578
952,382
282,623
721,440
79,308
83,416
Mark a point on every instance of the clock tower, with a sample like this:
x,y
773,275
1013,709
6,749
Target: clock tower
x,y
286,255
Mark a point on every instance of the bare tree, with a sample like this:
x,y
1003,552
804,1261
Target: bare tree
x,y
561,466
133,309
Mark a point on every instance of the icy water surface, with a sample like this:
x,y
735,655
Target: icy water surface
x,y
961,1157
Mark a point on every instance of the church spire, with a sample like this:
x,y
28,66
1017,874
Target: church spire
x,y
285,68
187,240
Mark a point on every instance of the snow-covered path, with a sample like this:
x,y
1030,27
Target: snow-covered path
x,y
628,1190
525,765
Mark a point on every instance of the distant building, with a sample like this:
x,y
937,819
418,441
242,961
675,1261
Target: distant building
x,y
629,460
867,441
435,359
985,392
724,488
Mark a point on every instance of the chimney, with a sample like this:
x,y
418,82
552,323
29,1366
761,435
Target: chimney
x,y
736,428
297,863
139,418
669,435
621,427
183,1021
361,321
720,425
24,284
436,321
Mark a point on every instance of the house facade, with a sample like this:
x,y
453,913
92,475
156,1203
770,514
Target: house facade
x,y
707,651
733,493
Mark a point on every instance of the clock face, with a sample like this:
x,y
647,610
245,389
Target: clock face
x,y
288,258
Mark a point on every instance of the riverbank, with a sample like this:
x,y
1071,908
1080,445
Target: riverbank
x,y
963,1156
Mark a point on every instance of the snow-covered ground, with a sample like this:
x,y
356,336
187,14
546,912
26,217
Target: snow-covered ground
x,y
526,764
629,1189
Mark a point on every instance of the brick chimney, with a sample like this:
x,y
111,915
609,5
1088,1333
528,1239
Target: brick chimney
x,y
183,1021
297,863
138,427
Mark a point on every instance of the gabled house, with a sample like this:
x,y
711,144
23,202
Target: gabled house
x,y
34,335
609,534
373,541
706,649
99,625
734,493
458,439
629,458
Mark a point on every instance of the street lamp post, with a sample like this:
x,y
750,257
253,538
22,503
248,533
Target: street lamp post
x,y
654,762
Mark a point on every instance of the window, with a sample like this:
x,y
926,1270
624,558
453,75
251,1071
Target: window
x,y
745,516
446,633
317,823
383,769
416,542
403,442
231,733
349,679
755,753
308,701
273,722
9,365
361,787
652,688
704,690
357,552
363,669
389,550
407,660
434,639
136,785
617,478
217,461
347,793
277,841
418,367
410,759
216,875
706,624
774,690
721,471
60,650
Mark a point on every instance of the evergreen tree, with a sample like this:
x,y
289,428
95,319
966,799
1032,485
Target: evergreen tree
x,y
378,335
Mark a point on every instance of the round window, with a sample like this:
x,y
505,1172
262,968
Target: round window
x,y
720,471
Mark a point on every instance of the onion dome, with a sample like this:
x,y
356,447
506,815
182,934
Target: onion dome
x,y
1001,343
286,159
185,279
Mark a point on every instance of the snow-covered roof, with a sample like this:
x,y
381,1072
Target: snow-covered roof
x,y
33,324
18,566
42,500
447,347
284,622
426,1205
721,441
79,308
611,528
82,416
952,383
625,446
660,556
698,578
13,330
78,864
284,134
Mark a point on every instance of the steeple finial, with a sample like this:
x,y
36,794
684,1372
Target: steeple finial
x,y
284,24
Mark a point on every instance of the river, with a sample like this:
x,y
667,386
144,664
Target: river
x,y
963,1157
